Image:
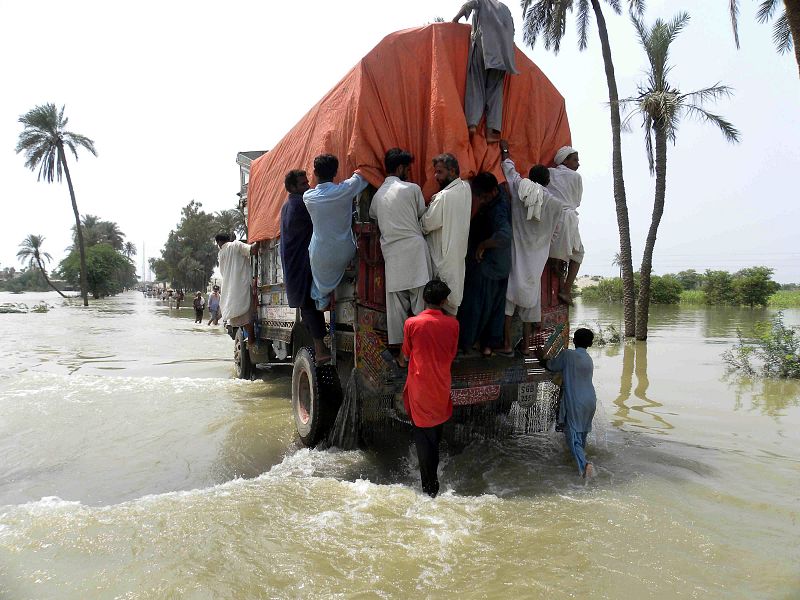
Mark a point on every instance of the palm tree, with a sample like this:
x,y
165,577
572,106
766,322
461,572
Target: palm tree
x,y
231,221
617,262
43,139
661,107
785,30
97,231
129,249
547,19
30,251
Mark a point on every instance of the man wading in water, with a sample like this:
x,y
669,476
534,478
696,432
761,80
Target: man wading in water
x,y
430,343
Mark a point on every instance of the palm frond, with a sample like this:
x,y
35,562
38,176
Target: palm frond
x,y
615,6
584,19
728,130
733,8
765,10
42,140
636,7
781,34
709,94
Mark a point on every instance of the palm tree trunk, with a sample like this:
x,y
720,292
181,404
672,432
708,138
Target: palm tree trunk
x,y
628,299
84,287
47,279
793,16
643,306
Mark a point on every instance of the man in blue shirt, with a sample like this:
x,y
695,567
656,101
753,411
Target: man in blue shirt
x,y
578,400
332,244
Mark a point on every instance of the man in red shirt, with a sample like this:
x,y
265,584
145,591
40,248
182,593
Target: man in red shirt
x,y
430,343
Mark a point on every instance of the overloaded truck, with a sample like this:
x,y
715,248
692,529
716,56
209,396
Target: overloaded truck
x,y
407,92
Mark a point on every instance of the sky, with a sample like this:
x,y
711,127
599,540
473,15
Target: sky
x,y
171,91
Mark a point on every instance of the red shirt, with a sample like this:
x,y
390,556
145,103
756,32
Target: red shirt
x,y
430,341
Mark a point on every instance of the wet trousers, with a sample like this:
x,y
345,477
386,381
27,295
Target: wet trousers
x,y
576,441
427,439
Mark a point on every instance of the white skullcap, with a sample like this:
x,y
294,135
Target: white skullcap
x,y
563,153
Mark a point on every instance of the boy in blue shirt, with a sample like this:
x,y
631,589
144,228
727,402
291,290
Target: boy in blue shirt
x,y
578,401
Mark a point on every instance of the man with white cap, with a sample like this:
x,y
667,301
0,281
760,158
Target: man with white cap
x,y
567,186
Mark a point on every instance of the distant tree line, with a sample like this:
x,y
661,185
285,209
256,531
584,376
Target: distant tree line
x,y
188,258
752,286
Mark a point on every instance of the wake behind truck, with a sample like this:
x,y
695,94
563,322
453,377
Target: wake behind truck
x,y
407,92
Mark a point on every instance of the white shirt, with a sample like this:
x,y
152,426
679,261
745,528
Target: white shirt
x,y
234,265
446,223
398,206
530,244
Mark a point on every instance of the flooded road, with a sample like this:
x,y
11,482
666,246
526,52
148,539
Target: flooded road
x,y
132,465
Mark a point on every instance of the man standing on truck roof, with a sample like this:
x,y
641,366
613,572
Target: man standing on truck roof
x,y
566,185
491,56
446,223
430,343
398,206
535,214
332,245
296,230
237,274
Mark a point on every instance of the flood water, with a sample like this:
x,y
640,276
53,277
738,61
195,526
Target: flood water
x,y
133,465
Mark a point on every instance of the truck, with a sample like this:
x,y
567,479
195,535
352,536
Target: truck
x,y
356,398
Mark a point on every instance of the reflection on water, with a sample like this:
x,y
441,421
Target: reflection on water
x,y
634,361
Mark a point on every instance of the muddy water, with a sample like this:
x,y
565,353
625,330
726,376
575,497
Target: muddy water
x,y
132,465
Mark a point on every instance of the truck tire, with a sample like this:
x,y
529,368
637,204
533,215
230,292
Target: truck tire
x,y
241,357
316,397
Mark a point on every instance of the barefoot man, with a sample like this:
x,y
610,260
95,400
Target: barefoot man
x,y
567,186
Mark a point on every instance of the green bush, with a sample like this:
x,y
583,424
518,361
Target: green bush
x,y
608,290
785,299
665,289
773,352
693,297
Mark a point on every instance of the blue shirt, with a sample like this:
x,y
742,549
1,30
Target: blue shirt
x,y
332,245
578,402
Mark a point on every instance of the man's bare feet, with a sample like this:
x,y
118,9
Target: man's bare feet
x,y
588,473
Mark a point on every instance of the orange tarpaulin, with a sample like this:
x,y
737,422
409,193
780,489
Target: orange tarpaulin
x,y
409,92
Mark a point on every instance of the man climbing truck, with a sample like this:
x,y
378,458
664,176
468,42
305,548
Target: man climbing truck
x,y
390,96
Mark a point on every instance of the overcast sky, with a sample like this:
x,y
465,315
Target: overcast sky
x,y
170,91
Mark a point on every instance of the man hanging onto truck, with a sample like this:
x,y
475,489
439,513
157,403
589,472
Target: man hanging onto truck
x,y
481,314
237,295
397,206
446,225
535,214
296,230
430,343
491,56
332,245
566,185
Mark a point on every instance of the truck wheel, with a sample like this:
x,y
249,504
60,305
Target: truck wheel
x,y
241,357
316,397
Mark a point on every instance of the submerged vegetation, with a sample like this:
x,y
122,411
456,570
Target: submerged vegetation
x,y
774,351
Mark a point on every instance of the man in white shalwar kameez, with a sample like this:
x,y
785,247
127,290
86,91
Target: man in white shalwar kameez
x,y
567,186
237,275
446,224
535,214
398,206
